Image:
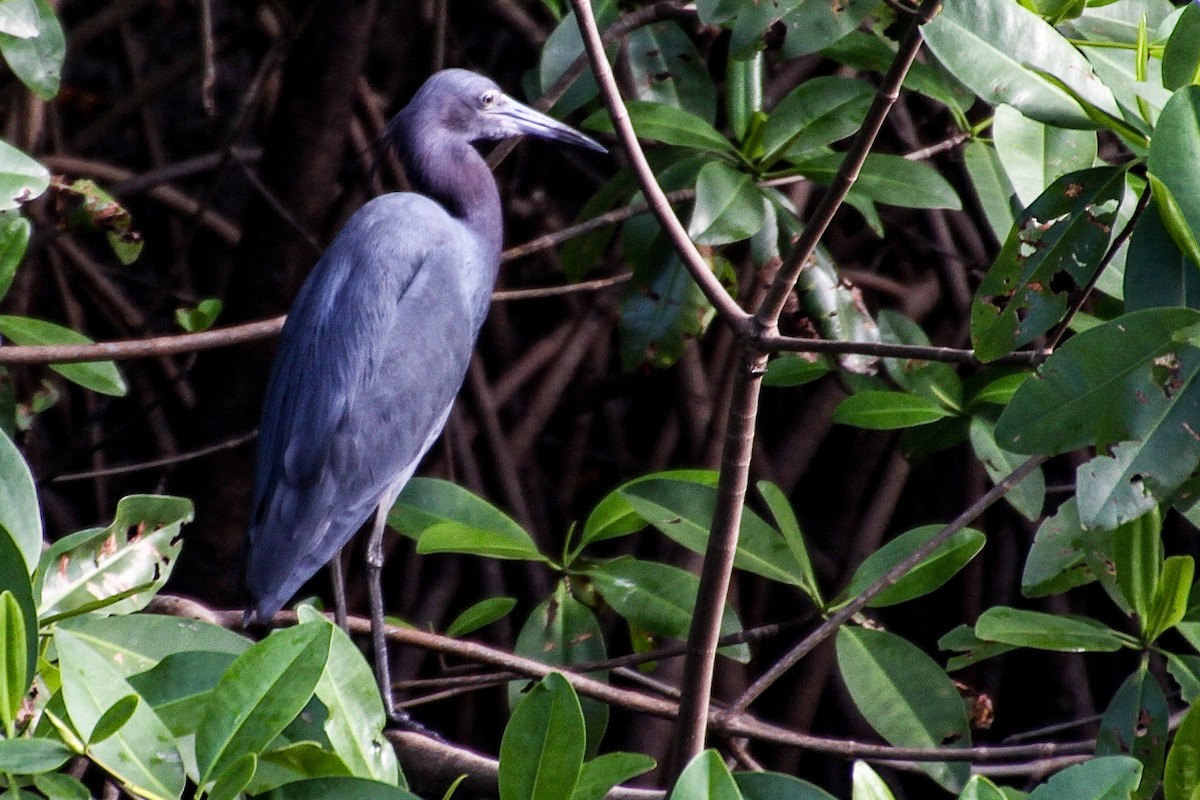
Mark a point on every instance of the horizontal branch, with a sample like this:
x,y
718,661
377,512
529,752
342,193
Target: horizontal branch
x,y
774,343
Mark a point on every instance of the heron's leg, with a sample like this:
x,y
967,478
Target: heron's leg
x,y
383,671
338,574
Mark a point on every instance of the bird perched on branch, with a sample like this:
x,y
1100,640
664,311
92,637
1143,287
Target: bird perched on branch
x,y
377,343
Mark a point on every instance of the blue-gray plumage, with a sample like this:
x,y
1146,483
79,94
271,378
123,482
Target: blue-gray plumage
x,y
378,341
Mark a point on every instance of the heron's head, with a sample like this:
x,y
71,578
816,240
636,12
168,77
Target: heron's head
x,y
463,103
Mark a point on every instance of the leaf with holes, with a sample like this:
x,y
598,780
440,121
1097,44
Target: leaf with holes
x,y
1135,724
666,68
1051,254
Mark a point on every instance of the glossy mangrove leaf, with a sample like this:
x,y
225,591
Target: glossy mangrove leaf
x,y
355,717
563,632
99,376
1029,496
1068,634
992,187
343,788
614,516
135,643
971,648
1050,255
20,514
1065,555
992,44
14,238
816,113
1157,273
1138,560
137,552
37,60
789,528
705,778
838,310
601,774
777,786
885,411
666,124
813,24
1174,168
14,660
1135,724
480,615
683,511
1105,778
905,696
1182,773
562,47
889,179
931,573
658,599
446,518
865,784
34,755
1034,154
729,207
541,752
261,692
1181,57
661,312
793,369
178,686
142,754
666,68
15,584
1171,597
933,380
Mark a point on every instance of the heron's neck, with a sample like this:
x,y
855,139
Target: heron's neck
x,y
456,175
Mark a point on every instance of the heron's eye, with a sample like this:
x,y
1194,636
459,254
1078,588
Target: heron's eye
x,y
488,99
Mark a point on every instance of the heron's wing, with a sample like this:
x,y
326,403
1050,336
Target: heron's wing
x,y
373,353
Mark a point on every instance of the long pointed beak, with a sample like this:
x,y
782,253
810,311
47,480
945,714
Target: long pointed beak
x,y
535,123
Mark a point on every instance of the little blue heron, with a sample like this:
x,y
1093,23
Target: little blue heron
x,y
378,341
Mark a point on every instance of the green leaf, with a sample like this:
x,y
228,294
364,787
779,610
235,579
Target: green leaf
x,y
37,60
867,785
1181,57
98,211
1068,634
14,239
562,47
728,207
1050,255
480,615
113,719
563,632
817,113
343,788
263,690
1000,391
14,660
1171,596
142,753
1135,724
889,179
812,24
992,187
1174,166
1065,555
932,380
58,786
19,18
355,717
971,648
666,68
1182,773
931,573
230,783
21,178
1157,273
541,752
200,317
794,369
990,46
99,376
658,599
836,308
445,518
705,778
789,528
20,516
135,553
662,311
177,687
905,696
776,786
980,788
1027,497
30,756
614,516
666,124
138,642
1186,672
683,511
1138,558
883,410
1035,155
1107,778
604,772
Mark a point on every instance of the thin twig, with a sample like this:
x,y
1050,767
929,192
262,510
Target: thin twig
x,y
168,461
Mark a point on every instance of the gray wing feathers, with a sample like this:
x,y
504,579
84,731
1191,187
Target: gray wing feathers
x,y
369,362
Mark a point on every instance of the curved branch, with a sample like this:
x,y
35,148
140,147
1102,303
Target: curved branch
x,y
699,269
